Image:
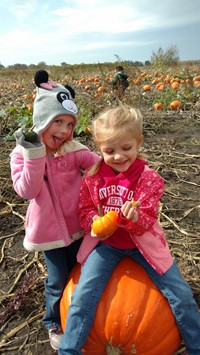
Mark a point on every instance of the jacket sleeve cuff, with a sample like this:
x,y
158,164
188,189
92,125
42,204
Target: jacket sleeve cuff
x,y
35,153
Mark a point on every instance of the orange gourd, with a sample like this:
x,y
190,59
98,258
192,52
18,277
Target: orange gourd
x,y
105,225
132,316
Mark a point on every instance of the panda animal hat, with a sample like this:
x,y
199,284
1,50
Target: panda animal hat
x,y
52,99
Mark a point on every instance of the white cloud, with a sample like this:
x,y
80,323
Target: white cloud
x,y
21,11
105,19
121,17
100,45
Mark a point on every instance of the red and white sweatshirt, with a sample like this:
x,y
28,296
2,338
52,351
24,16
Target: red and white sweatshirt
x,y
110,191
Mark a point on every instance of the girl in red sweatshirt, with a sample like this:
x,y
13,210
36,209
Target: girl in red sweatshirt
x,y
121,177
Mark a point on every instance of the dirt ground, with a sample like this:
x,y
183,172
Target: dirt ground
x,y
172,142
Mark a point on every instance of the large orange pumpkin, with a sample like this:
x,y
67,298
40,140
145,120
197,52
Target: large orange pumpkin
x,y
132,316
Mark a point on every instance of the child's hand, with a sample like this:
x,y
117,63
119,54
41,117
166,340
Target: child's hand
x,y
31,141
130,210
92,233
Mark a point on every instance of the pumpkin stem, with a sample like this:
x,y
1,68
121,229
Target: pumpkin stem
x,y
99,210
113,350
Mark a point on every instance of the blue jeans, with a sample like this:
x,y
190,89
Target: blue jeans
x,y
94,276
59,263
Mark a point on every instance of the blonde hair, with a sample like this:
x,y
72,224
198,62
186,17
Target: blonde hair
x,y
112,123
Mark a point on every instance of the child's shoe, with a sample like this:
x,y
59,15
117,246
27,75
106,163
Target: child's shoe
x,y
55,335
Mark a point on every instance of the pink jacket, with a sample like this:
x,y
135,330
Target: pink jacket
x,y
53,187
147,234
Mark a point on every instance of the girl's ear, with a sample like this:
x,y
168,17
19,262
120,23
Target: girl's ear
x,y
139,141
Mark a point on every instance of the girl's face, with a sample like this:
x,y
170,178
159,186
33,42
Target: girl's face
x,y
59,131
121,154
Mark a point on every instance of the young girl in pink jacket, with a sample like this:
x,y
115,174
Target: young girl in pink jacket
x,y
122,181
47,171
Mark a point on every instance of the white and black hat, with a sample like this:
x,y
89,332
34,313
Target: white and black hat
x,y
52,99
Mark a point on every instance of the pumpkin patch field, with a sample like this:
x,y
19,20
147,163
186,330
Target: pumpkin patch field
x,y
169,98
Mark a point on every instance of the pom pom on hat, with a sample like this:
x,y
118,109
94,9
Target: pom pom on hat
x,y
52,100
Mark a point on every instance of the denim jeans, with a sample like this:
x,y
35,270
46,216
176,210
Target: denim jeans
x,y
59,263
95,274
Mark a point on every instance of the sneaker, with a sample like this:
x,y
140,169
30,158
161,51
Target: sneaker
x,y
55,335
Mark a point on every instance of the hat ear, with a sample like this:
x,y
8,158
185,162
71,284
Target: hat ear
x,y
72,92
41,76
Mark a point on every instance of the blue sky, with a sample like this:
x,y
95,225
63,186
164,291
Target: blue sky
x,y
95,31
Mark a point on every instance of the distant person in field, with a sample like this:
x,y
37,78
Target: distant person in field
x,y
120,82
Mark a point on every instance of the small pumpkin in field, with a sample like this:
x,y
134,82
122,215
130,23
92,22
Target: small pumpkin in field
x,y
29,107
101,89
147,88
160,86
158,106
175,85
105,225
132,316
87,87
88,130
196,83
175,105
